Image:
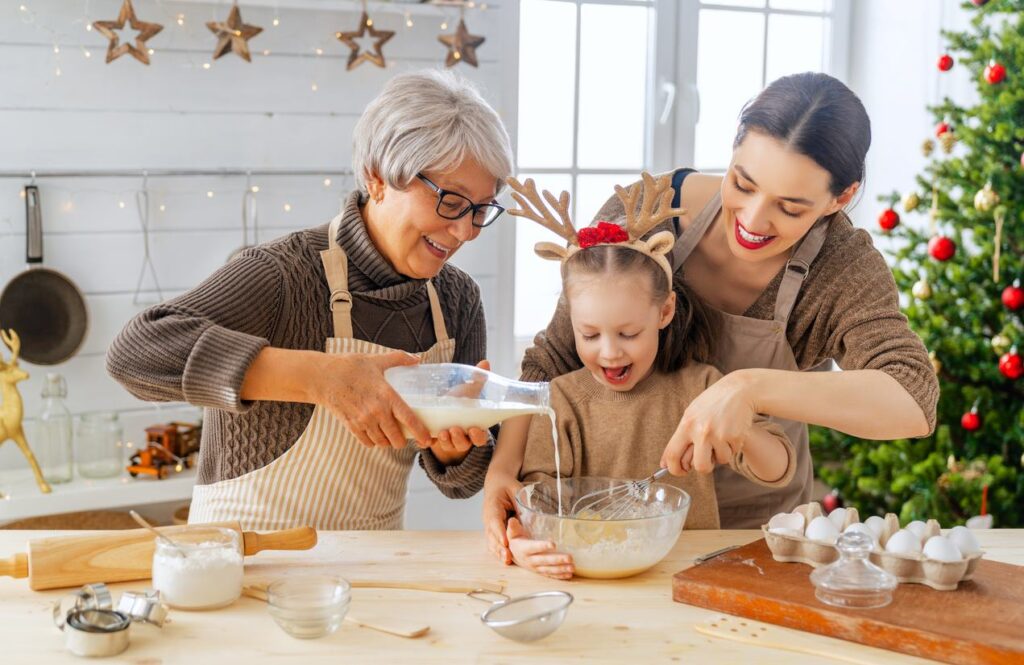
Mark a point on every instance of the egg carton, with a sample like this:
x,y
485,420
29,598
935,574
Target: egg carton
x,y
907,568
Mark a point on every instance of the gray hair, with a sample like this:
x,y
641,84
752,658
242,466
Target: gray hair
x,y
429,120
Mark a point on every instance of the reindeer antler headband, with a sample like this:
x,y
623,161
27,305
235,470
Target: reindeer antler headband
x,y
655,199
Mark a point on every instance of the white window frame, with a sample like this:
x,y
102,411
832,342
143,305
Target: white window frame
x,y
673,142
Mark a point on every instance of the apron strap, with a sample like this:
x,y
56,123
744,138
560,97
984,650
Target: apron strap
x,y
796,270
693,233
440,331
336,268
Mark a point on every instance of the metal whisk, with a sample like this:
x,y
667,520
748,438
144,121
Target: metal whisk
x,y
617,501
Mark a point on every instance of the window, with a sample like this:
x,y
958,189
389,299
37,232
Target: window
x,y
583,100
608,88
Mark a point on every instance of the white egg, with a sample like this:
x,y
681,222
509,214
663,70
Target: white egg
x,y
822,528
861,528
783,531
941,548
876,524
964,540
918,528
837,517
903,542
790,521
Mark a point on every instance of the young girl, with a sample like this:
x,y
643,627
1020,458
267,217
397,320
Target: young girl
x,y
643,356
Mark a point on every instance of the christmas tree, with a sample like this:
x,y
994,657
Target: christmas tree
x,y
958,265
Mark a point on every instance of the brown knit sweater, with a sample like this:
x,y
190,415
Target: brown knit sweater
x,y
603,432
848,310
197,347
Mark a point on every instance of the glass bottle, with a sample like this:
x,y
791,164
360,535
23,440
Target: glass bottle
x,y
98,445
52,445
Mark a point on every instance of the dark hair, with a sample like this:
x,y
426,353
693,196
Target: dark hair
x,y
818,116
689,335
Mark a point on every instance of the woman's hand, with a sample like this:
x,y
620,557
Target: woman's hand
x,y
499,500
452,445
713,428
352,386
538,555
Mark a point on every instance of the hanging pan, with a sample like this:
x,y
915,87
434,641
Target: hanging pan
x,y
42,305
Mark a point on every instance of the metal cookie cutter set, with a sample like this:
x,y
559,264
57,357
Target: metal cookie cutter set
x,y
91,625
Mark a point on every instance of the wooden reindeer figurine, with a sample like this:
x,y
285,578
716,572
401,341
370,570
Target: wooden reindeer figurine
x,y
11,411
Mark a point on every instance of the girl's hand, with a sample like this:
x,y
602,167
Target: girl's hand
x,y
499,501
353,388
538,555
713,428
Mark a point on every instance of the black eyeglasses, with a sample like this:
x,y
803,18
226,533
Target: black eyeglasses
x,y
452,205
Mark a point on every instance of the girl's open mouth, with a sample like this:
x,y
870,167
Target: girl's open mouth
x,y
617,375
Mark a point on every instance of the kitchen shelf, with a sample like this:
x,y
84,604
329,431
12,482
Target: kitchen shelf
x,y
23,499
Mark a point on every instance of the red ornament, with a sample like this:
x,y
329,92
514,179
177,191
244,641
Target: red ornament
x,y
971,421
995,73
1013,296
941,248
945,62
1011,365
979,3
889,219
831,501
942,128
603,234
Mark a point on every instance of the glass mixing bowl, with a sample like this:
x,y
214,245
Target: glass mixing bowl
x,y
308,606
605,548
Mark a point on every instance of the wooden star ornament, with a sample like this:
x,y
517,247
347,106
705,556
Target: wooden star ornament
x,y
233,35
138,50
461,46
356,55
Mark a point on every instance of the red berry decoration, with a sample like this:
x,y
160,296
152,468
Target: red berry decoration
x,y
941,248
971,421
995,73
942,128
1013,296
889,219
1011,365
831,501
945,62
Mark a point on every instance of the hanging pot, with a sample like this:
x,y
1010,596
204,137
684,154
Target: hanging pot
x,y
44,306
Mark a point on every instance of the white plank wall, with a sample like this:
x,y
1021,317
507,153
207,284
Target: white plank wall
x,y
176,114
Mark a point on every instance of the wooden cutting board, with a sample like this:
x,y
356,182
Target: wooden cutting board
x,y
981,622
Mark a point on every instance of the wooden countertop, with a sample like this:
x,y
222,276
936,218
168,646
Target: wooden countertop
x,y
631,620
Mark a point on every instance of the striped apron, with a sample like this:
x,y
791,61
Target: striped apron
x,y
327,479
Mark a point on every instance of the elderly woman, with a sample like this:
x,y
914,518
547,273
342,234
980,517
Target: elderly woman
x,y
297,432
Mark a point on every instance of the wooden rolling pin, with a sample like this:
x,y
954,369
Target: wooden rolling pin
x,y
122,556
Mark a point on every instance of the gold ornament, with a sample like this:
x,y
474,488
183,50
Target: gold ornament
x,y
936,363
139,50
986,198
922,290
928,147
910,202
947,141
233,35
1001,344
461,46
356,57
11,411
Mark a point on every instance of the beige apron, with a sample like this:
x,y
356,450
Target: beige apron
x,y
745,342
327,479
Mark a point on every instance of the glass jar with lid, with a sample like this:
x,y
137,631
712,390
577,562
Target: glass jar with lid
x,y
99,445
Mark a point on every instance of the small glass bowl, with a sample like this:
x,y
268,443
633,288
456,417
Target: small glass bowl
x,y
310,606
